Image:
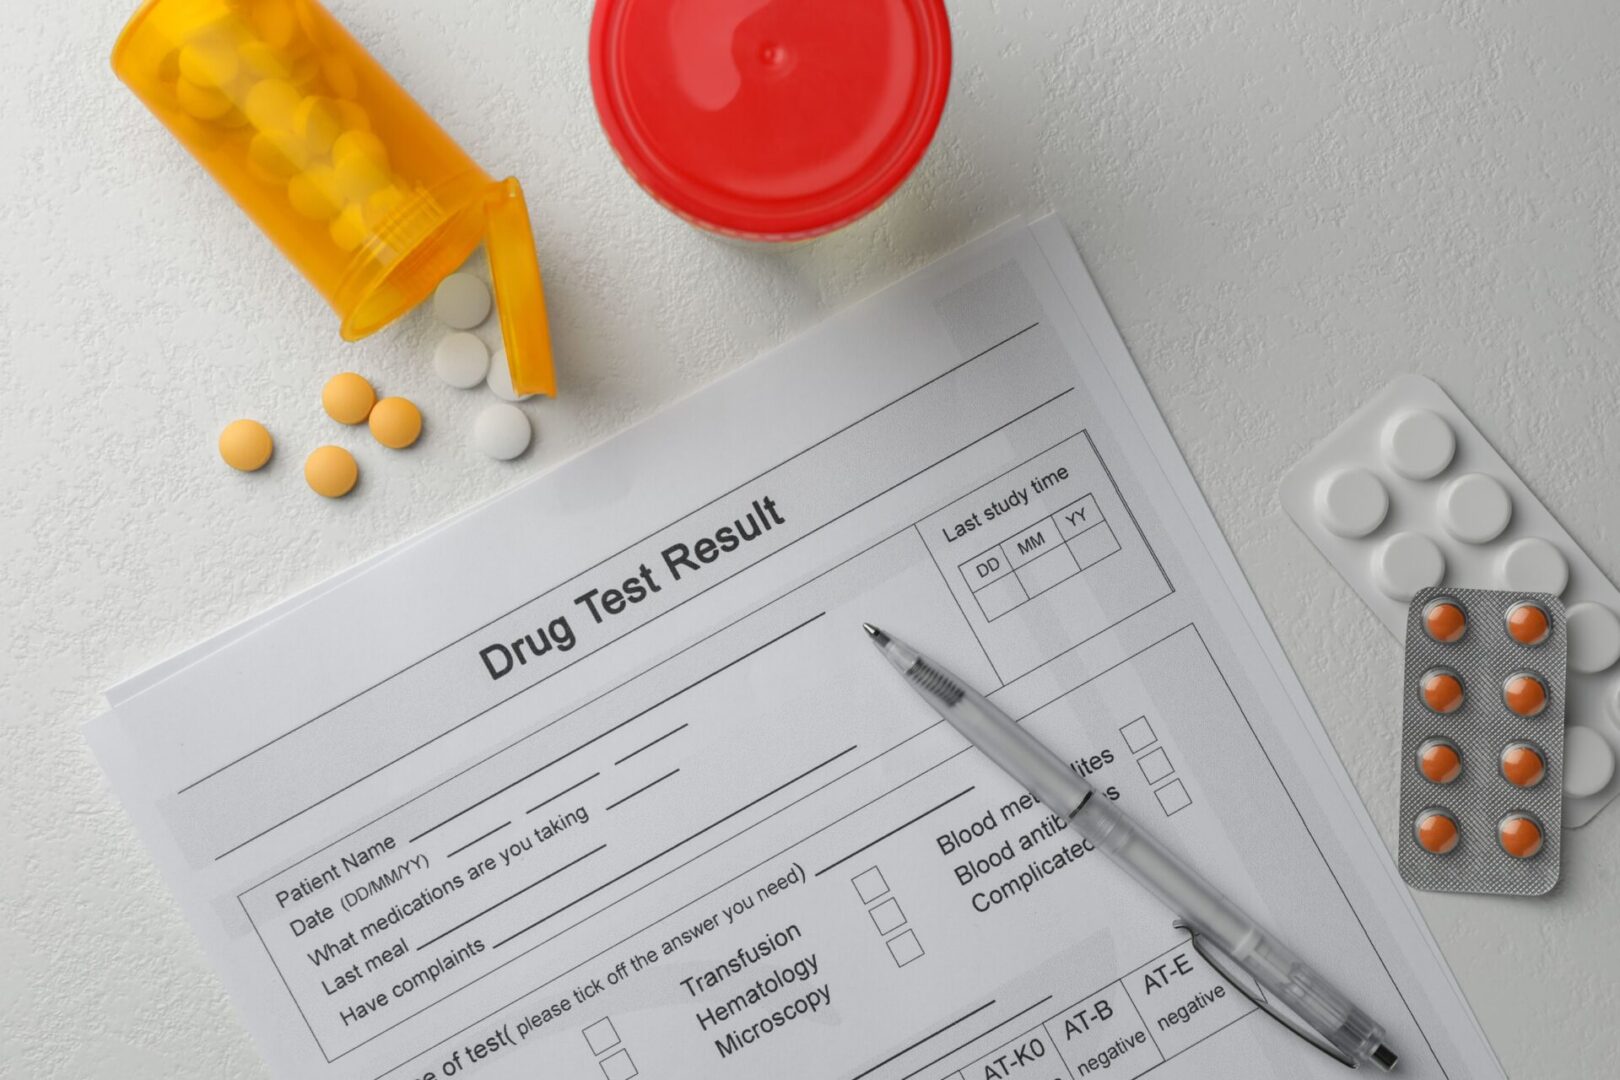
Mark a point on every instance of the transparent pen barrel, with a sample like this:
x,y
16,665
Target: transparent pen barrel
x,y
1283,976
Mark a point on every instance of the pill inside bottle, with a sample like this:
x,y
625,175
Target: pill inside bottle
x,y
1439,761
1528,624
1519,835
1436,831
1444,621
1522,765
1442,691
1524,694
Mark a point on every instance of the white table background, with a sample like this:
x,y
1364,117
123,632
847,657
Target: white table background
x,y
1285,204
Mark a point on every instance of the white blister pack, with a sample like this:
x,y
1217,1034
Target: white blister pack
x,y
1407,493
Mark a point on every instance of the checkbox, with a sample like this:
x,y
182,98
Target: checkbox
x,y
1156,765
619,1066
888,916
869,885
1173,797
601,1036
1138,734
905,948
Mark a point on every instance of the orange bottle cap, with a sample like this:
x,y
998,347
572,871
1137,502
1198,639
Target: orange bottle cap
x,y
520,296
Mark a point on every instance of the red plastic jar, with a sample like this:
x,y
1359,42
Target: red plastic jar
x,y
770,119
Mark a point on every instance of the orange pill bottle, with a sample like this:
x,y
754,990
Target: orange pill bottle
x,y
369,198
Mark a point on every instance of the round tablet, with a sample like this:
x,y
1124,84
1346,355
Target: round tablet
x,y
1444,621
1442,691
461,301
245,445
1436,831
462,360
1418,444
1594,638
396,422
331,471
1520,835
348,398
1439,761
1588,762
1534,565
1524,694
1405,563
1351,502
1523,765
500,378
1475,508
1528,624
502,431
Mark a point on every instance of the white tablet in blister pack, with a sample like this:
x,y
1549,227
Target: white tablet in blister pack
x,y
1407,493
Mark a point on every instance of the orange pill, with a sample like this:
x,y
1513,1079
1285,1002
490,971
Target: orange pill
x,y
1437,831
1444,621
396,422
1439,761
1442,691
1523,765
1520,835
348,398
1524,694
245,445
1528,624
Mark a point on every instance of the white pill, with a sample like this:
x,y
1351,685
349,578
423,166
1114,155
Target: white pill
x,y
1418,444
1534,565
502,432
500,379
1475,508
1351,502
462,360
1594,638
1405,563
461,301
1588,762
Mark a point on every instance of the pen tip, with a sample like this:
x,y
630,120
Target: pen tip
x,y
877,635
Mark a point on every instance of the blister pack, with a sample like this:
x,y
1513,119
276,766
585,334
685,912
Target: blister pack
x,y
1482,741
1408,493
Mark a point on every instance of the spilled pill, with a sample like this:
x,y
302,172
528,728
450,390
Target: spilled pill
x,y
462,360
331,471
1439,761
502,431
1436,831
1523,765
1444,621
1442,691
1528,624
461,301
348,398
396,422
245,445
1520,835
1524,694
500,379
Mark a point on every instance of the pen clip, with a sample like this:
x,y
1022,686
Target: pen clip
x,y
1209,950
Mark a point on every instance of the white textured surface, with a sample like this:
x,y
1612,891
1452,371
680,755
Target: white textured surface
x,y
1284,204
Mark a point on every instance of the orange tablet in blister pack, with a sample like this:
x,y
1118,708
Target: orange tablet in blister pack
x,y
1483,741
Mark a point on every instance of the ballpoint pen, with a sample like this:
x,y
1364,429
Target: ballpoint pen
x,y
1346,1033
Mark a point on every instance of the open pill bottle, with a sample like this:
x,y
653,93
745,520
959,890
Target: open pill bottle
x,y
770,120
360,189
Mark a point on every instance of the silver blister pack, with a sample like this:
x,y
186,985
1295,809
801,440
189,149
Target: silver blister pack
x,y
1487,775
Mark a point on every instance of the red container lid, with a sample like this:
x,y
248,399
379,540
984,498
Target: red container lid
x,y
770,119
